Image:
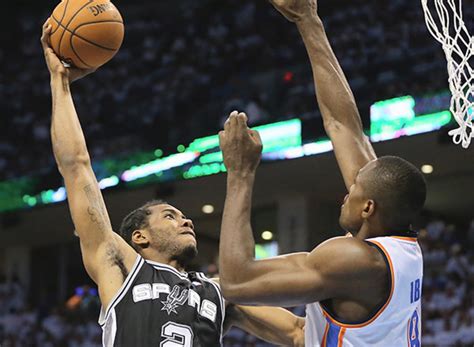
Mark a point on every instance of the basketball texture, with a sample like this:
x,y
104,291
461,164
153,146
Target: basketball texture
x,y
86,33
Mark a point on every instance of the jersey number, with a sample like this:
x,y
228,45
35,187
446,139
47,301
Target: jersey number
x,y
176,335
413,332
415,291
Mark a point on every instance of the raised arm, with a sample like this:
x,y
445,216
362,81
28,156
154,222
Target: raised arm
x,y
272,324
337,104
106,256
340,267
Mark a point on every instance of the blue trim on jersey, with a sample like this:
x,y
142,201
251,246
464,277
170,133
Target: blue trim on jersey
x,y
333,335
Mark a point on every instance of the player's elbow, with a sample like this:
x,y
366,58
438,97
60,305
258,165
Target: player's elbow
x,y
244,293
233,292
332,125
73,161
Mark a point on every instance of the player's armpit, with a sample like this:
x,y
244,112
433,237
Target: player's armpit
x,y
340,267
272,324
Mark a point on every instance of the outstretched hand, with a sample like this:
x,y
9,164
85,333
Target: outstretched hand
x,y
241,146
55,66
296,10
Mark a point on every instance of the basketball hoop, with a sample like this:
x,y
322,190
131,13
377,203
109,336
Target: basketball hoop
x,y
449,29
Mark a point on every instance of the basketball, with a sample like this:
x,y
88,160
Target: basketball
x,y
86,33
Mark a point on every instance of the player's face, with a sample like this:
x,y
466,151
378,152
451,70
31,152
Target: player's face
x,y
171,232
354,203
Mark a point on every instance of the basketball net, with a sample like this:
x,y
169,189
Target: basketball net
x,y
450,30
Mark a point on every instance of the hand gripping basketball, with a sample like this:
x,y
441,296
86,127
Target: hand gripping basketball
x,y
55,66
86,33
296,10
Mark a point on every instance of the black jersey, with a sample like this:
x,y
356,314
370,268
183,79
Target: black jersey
x,y
157,306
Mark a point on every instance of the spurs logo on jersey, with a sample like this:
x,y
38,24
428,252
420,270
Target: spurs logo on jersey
x,y
147,291
157,305
174,300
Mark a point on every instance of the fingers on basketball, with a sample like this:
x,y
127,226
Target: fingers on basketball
x,y
85,34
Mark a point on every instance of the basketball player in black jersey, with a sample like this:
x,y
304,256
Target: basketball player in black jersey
x,y
348,275
147,297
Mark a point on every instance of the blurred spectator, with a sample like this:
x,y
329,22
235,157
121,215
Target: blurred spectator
x,y
182,70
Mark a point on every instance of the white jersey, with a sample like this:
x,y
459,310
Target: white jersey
x,y
397,323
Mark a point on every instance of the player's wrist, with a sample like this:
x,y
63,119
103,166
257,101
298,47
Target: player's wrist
x,y
57,76
310,21
240,176
59,82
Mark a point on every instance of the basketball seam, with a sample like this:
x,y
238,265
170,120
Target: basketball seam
x,y
65,27
64,15
77,55
87,23
73,33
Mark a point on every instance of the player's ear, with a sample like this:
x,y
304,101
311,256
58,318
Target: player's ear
x,y
369,209
140,238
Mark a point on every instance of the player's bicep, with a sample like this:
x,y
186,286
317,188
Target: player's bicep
x,y
352,148
86,205
336,268
100,246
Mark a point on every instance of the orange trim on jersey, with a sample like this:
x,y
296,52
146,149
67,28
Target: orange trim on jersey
x,y
412,239
340,338
408,333
345,325
325,336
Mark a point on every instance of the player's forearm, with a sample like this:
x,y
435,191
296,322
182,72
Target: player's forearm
x,y
333,92
237,245
67,138
272,324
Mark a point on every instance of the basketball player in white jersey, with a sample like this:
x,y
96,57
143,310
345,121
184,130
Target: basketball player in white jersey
x,y
148,298
363,290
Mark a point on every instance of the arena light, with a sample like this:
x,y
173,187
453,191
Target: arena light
x,y
267,235
59,195
393,118
427,169
208,209
390,119
266,250
159,165
109,182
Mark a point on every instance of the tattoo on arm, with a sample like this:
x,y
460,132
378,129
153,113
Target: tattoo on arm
x,y
95,209
98,216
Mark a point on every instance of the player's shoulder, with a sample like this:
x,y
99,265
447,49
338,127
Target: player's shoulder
x,y
350,252
344,244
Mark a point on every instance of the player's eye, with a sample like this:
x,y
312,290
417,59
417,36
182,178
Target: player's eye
x,y
169,216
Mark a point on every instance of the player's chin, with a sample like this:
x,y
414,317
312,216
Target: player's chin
x,y
344,223
188,252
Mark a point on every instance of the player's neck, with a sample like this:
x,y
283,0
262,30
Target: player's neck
x,y
163,259
368,231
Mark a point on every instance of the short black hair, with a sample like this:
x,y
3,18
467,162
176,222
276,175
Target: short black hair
x,y
137,219
399,191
